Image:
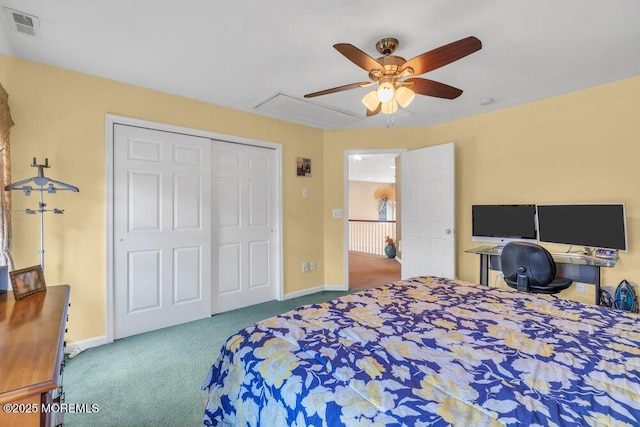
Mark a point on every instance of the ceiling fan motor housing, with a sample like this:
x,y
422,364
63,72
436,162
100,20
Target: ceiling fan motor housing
x,y
387,45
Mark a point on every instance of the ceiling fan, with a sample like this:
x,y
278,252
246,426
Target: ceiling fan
x,y
389,72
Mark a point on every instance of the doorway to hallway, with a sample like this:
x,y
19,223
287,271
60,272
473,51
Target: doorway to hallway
x,y
371,218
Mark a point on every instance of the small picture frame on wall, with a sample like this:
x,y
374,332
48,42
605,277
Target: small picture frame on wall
x,y
303,166
27,281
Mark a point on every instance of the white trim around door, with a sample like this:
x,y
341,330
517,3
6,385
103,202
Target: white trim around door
x,y
110,122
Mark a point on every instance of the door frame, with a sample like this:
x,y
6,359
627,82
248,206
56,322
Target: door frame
x,y
345,204
110,121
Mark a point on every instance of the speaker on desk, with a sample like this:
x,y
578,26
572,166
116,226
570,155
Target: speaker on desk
x,y
530,268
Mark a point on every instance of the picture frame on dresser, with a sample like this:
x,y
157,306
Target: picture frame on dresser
x,y
27,281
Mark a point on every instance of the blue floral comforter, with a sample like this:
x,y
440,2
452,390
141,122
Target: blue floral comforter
x,y
431,352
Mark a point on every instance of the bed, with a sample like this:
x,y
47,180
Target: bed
x,y
431,352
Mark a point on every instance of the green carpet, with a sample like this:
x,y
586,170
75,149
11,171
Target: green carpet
x,y
154,379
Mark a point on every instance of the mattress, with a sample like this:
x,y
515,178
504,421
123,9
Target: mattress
x,y
431,352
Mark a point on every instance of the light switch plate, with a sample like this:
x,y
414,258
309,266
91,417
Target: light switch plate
x,y
337,213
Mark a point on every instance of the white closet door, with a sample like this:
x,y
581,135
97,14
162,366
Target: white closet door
x,y
162,229
244,225
428,212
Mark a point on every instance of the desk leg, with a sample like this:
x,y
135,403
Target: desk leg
x,y
484,269
597,283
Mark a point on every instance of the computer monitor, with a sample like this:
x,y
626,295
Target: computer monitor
x,y
590,225
502,224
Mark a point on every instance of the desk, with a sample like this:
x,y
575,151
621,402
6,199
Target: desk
x,y
578,267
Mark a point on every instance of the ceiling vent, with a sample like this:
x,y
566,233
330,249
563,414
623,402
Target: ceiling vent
x,y
23,23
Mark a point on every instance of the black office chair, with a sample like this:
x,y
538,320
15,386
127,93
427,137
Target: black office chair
x,y
530,268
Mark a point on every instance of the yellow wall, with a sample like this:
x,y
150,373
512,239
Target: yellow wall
x,y
579,147
60,114
554,150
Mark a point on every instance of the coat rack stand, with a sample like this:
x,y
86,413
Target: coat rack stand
x,y
42,184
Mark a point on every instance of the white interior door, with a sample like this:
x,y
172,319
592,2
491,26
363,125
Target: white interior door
x,y
162,229
428,212
244,226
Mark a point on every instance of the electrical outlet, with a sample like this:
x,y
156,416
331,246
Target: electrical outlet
x,y
580,287
305,267
312,265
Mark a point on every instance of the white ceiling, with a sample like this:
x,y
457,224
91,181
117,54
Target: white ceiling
x,y
373,167
242,53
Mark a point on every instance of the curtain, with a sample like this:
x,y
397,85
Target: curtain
x,y
5,179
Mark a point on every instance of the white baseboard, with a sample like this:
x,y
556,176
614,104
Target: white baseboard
x,y
303,292
79,346
314,290
334,288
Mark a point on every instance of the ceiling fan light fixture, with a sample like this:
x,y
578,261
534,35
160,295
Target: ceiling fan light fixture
x,y
370,100
385,92
405,96
389,107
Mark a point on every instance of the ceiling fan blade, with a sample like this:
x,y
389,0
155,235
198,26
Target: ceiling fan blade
x,y
358,57
443,55
433,88
338,89
374,112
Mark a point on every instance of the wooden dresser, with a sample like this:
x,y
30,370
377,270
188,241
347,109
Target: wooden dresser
x,y
31,356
